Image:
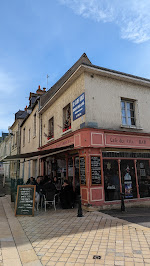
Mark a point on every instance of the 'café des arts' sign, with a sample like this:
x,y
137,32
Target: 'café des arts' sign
x,y
116,140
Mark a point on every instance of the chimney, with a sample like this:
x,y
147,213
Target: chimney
x,y
26,108
39,91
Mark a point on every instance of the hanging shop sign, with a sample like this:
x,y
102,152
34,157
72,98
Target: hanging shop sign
x,y
78,106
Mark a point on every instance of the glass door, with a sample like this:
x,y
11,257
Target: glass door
x,y
111,180
128,179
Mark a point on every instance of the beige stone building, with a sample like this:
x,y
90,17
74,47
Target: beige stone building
x,y
92,127
95,128
5,150
29,144
15,146
30,141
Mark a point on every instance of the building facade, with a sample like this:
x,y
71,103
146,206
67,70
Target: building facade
x,y
101,119
92,127
30,138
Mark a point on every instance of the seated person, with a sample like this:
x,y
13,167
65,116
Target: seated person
x,y
31,181
49,186
42,180
67,196
45,180
38,191
49,190
57,184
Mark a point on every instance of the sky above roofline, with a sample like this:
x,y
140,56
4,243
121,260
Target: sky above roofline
x,y
48,37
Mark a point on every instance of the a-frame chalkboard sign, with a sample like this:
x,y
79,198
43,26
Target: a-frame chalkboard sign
x,y
25,200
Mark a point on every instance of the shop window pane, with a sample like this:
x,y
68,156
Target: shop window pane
x,y
128,179
143,172
70,171
111,180
77,180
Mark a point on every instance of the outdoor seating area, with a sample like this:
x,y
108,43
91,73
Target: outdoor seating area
x,y
48,195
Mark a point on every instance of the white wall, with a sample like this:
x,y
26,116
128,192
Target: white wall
x,y
103,102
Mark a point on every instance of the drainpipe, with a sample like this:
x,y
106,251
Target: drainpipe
x,y
23,170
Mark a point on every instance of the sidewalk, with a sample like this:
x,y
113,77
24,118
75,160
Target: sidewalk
x,y
138,215
15,248
61,238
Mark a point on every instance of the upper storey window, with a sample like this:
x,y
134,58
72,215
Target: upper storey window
x,y
24,136
50,128
29,135
66,118
34,125
128,112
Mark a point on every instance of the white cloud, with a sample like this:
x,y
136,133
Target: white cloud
x,y
131,16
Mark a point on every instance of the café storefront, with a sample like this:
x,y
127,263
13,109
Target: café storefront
x,y
105,163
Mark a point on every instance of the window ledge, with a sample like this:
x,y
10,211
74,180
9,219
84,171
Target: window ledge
x,y
67,131
49,140
131,127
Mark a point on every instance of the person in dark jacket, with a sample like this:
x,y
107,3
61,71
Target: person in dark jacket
x,y
38,185
66,195
49,186
31,181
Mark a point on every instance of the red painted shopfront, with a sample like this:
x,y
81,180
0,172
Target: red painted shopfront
x,y
105,163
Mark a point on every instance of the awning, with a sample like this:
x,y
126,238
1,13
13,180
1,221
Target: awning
x,y
43,153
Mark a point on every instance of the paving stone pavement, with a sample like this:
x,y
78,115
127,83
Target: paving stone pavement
x,y
61,238
138,215
15,248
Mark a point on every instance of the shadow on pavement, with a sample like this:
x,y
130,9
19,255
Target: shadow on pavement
x,y
140,215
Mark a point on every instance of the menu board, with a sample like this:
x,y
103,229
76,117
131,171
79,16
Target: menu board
x,y
82,171
25,200
95,170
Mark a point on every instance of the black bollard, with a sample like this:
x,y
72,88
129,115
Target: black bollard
x,y
79,207
122,202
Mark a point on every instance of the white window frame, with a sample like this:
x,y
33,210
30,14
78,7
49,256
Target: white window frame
x,y
126,110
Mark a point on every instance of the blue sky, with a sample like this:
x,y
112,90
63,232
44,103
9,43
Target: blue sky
x,y
47,37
